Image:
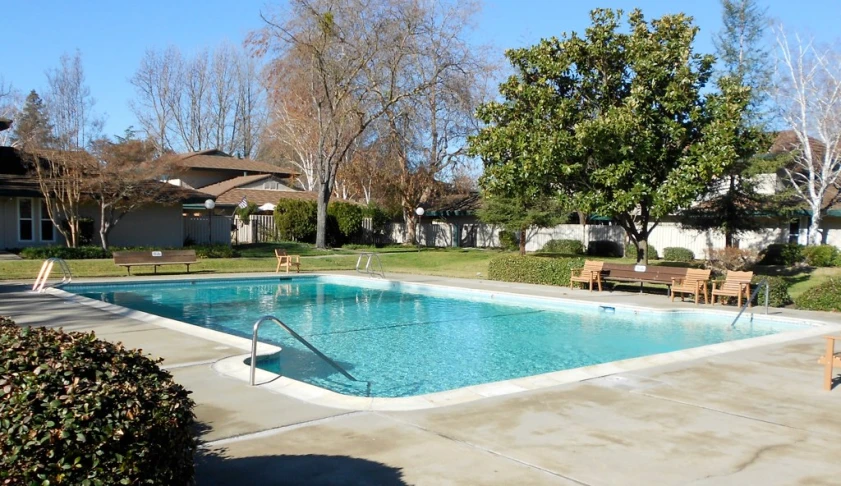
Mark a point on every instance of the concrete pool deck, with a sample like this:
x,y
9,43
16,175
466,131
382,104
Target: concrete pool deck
x,y
752,416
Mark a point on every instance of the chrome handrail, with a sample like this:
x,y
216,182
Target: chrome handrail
x,y
763,283
47,268
368,269
302,341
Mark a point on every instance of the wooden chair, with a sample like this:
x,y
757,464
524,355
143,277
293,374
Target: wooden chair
x,y
286,260
589,274
695,283
736,284
830,359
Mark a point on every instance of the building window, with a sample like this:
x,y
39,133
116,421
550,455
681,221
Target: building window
x,y
47,228
25,219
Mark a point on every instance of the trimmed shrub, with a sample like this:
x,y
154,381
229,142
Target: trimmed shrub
x,y
787,254
823,297
508,241
631,251
604,248
737,259
533,269
344,221
678,254
820,256
78,253
296,220
567,247
78,410
778,295
214,251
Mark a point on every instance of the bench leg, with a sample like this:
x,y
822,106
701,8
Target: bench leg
x,y
156,269
188,267
827,374
128,268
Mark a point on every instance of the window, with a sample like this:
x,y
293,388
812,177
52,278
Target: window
x,y
47,229
25,219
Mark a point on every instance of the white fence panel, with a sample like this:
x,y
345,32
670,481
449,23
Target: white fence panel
x,y
201,231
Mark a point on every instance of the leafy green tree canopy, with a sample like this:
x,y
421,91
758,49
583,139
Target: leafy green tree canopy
x,y
614,121
518,214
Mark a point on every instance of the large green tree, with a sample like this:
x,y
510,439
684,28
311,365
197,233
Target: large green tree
x,y
518,214
734,201
613,120
32,127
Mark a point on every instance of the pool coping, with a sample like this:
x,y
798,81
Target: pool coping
x,y
235,366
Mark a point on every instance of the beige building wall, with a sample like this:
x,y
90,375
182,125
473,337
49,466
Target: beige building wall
x,y
9,225
159,226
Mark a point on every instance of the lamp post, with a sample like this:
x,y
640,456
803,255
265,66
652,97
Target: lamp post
x,y
210,204
419,211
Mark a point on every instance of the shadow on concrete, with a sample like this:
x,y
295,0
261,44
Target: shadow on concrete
x,y
213,467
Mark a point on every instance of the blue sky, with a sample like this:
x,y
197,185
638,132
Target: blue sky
x,y
113,35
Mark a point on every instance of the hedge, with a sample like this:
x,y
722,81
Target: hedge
x,y
604,248
344,221
78,410
566,247
631,251
778,295
296,220
821,255
787,254
823,297
678,254
533,269
96,252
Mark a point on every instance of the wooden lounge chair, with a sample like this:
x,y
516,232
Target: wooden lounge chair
x,y
591,273
830,359
695,283
286,260
736,284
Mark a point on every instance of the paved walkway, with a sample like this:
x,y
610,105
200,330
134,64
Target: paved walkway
x,y
756,416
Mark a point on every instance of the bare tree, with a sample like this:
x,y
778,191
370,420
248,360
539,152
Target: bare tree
x,y
126,179
360,58
10,102
212,100
70,105
808,94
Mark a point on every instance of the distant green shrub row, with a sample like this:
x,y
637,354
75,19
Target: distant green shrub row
x,y
76,410
566,247
95,252
298,221
787,254
631,251
533,269
822,256
678,254
823,297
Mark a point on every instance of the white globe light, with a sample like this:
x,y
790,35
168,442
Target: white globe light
x,y
419,211
210,204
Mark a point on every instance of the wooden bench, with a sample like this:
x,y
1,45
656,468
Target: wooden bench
x,y
130,259
736,284
695,282
652,274
591,273
286,260
830,359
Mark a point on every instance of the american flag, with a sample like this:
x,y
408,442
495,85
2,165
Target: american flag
x,y
243,204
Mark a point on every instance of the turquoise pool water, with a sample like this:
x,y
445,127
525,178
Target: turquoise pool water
x,y
410,339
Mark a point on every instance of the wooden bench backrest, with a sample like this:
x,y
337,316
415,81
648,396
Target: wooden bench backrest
x,y
738,277
693,274
652,272
592,266
166,256
280,253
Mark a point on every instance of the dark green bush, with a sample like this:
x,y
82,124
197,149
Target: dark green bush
x,y
787,254
508,241
631,251
778,295
77,410
677,254
346,222
823,297
296,220
214,251
820,256
604,248
567,247
78,253
533,269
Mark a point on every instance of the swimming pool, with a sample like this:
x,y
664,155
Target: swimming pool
x,y
411,339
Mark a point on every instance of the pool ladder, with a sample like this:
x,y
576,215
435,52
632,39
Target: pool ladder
x,y
763,283
47,268
369,268
302,341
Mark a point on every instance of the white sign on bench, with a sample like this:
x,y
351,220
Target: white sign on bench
x,y
156,254
639,268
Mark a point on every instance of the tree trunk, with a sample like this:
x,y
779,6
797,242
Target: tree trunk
x,y
815,227
582,220
643,248
522,242
103,228
411,229
728,238
321,218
